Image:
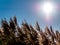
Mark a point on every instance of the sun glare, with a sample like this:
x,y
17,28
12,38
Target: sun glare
x,y
47,7
46,10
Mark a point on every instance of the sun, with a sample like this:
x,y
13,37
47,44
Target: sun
x,y
47,8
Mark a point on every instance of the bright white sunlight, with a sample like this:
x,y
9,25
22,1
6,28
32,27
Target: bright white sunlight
x,y
47,7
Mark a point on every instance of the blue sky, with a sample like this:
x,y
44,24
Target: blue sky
x,y
23,9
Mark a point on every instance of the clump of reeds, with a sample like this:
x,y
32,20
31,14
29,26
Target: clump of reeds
x,y
12,34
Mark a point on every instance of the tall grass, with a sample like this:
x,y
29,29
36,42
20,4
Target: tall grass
x,y
12,34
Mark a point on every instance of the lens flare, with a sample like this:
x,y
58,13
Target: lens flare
x,y
47,7
47,10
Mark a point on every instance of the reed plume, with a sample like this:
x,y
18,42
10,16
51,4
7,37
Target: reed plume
x,y
12,34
